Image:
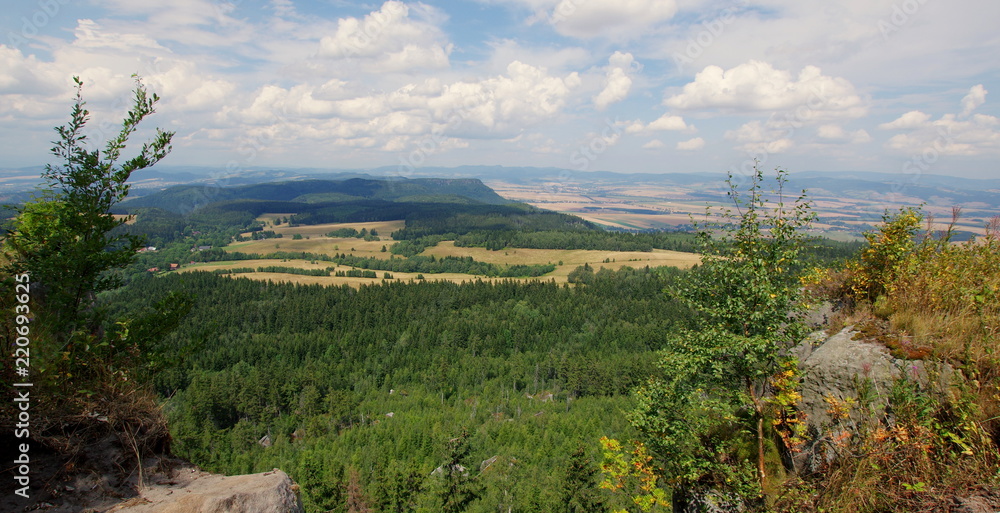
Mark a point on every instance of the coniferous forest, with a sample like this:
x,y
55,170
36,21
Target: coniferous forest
x,y
327,383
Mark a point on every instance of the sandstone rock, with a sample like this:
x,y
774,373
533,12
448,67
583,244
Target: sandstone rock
x,y
832,370
193,491
973,505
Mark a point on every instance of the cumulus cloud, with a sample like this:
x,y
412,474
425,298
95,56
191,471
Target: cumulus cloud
x,y
948,135
975,98
655,144
691,144
912,119
758,137
105,59
494,107
616,19
965,134
668,122
21,74
389,39
616,88
617,82
756,86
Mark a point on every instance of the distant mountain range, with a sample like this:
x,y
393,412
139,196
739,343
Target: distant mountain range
x,y
925,188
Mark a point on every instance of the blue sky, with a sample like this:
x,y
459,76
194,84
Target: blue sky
x,y
655,86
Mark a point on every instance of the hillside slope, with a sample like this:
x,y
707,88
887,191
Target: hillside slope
x,y
185,198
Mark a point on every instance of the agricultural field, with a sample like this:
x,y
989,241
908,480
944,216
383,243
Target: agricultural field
x,y
317,241
570,258
655,205
564,260
323,280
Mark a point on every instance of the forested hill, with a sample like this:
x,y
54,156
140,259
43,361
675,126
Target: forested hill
x,y
185,198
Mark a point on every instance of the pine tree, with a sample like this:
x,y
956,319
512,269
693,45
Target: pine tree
x,y
579,486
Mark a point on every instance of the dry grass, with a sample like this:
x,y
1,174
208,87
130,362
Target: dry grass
x,y
260,262
384,228
942,305
318,242
319,245
571,258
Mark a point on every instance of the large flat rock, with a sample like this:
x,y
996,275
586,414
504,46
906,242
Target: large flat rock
x,y
192,491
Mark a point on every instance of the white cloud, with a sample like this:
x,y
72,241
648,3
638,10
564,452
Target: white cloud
x,y
616,88
89,34
836,133
495,107
632,127
756,86
20,74
975,98
831,132
617,82
207,24
655,144
616,19
691,144
668,122
860,136
358,80
389,39
757,137
284,8
912,119
105,60
950,134
505,51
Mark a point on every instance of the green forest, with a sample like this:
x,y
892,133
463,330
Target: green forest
x,y
375,382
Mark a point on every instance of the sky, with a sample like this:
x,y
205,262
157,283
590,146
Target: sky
x,y
652,86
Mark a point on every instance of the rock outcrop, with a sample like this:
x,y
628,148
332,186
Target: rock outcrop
x,y
833,369
168,485
190,490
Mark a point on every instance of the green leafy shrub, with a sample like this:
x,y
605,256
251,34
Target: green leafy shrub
x,y
726,390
